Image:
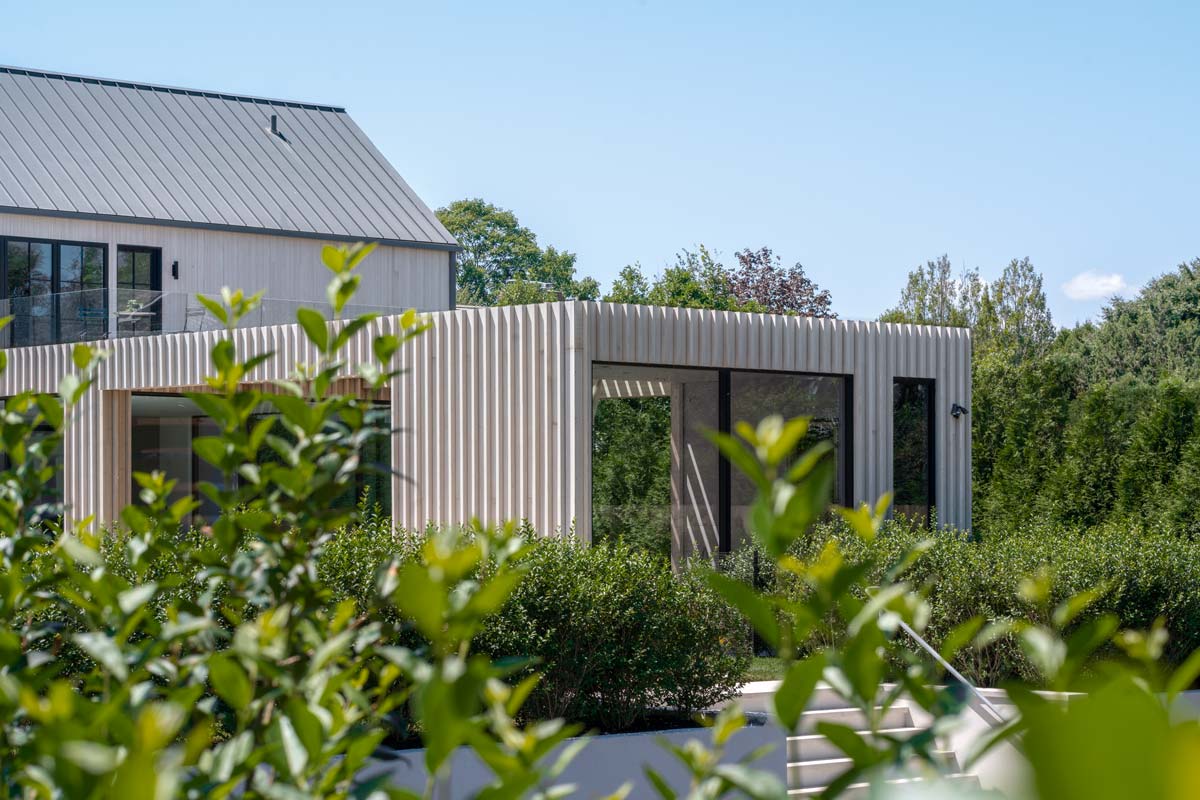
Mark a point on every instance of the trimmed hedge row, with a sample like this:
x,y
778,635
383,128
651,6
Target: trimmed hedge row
x,y
1146,573
616,636
621,642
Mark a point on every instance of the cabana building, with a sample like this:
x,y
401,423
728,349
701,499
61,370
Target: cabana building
x,y
120,201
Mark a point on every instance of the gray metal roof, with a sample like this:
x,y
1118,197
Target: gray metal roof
x,y
134,152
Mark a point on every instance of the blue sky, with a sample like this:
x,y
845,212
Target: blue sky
x,y
859,142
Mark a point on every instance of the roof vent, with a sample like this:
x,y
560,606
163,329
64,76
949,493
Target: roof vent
x,y
275,128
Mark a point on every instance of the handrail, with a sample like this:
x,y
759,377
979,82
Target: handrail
x,y
981,705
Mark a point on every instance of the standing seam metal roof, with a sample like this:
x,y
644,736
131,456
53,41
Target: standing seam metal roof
x,y
76,146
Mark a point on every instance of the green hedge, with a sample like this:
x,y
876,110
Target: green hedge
x,y
615,635
618,638
1148,573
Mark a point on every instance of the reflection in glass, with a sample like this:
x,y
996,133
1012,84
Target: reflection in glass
x,y
70,267
655,479
165,426
55,292
912,448
756,395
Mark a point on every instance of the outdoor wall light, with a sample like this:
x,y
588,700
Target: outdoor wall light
x,y
175,270
957,411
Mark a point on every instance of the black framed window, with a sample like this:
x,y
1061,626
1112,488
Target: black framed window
x,y
139,289
163,428
666,410
913,449
753,396
54,290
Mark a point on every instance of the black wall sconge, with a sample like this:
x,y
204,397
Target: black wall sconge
x,y
957,411
175,270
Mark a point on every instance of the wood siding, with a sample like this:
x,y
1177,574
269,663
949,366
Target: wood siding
x,y
284,267
495,405
502,400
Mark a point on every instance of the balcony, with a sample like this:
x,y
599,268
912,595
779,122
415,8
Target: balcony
x,y
55,318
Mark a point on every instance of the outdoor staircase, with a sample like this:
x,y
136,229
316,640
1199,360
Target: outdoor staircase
x,y
814,762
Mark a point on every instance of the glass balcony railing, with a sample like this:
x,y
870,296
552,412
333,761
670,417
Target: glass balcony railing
x,y
89,315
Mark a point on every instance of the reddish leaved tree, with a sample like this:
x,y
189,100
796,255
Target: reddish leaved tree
x,y
762,279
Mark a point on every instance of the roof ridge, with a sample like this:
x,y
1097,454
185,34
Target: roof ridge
x,y
154,87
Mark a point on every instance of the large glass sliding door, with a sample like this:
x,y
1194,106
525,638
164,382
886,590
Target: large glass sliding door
x,y
139,289
649,431
823,398
54,291
164,426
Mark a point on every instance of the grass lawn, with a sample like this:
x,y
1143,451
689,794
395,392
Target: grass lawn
x,y
764,669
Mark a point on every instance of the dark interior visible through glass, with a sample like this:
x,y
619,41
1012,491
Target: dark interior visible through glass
x,y
139,289
165,425
912,448
823,398
55,291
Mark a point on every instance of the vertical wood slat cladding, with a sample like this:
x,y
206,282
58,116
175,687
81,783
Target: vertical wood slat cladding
x,y
286,268
494,407
509,415
497,401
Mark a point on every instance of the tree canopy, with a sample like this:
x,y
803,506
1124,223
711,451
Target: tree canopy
x,y
698,279
497,249
1095,423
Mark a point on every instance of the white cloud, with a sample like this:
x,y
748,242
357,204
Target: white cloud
x,y
1095,286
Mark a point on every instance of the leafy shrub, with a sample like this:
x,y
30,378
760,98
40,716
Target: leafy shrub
x,y
613,633
1144,573
616,634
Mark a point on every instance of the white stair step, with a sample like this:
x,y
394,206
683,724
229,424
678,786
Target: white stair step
x,y
857,791
814,746
760,696
822,772
894,717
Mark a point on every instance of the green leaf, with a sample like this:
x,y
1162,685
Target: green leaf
x,y
660,785
81,356
213,449
1185,675
214,308
315,327
91,757
848,741
230,682
105,651
1076,604
755,783
421,599
796,688
131,600
294,752
789,436
959,637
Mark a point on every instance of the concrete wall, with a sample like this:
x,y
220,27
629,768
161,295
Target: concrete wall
x,y
603,766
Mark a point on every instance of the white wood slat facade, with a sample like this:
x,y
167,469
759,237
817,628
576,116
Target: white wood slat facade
x,y
495,404
502,399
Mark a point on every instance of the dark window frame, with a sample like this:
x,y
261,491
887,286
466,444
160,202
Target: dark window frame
x,y
725,425
56,246
156,278
931,440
